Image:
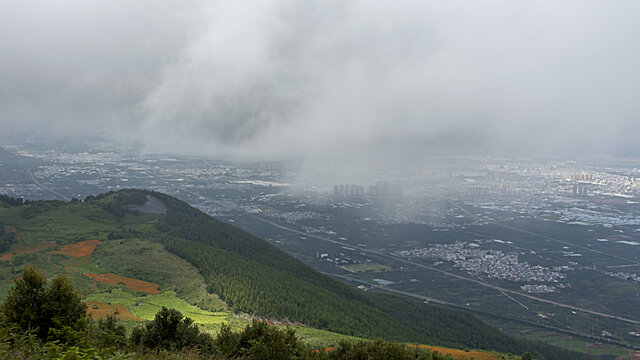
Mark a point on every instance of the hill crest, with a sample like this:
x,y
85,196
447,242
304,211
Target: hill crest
x,y
208,268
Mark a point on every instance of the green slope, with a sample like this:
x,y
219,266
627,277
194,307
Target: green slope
x,y
245,272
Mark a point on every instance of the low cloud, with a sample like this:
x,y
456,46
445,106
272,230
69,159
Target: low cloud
x,y
313,79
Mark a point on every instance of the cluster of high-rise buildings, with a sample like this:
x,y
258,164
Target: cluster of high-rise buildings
x,y
579,190
280,165
581,177
348,190
381,188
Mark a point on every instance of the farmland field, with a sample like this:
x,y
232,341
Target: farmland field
x,y
145,307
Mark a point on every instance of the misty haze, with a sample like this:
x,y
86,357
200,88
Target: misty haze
x,y
294,179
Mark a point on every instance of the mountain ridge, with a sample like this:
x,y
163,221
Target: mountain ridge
x,y
247,273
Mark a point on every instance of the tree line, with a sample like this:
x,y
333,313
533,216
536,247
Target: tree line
x,y
42,320
253,276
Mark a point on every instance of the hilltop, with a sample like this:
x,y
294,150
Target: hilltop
x,y
131,252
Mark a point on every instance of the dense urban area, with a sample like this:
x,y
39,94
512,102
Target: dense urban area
x,y
534,246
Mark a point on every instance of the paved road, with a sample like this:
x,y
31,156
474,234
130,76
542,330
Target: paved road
x,y
420,265
631,261
479,282
574,332
66,198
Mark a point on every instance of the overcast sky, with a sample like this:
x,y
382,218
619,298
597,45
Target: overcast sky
x,y
309,78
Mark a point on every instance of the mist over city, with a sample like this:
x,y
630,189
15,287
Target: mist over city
x,y
455,178
287,79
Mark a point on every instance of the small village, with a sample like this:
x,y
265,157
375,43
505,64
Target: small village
x,y
493,263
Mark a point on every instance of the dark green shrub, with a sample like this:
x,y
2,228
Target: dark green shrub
x,y
380,350
171,330
227,340
109,333
263,341
53,312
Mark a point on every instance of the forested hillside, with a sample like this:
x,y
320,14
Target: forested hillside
x,y
248,274
48,320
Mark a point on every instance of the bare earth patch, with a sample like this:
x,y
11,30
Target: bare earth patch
x,y
83,248
152,206
460,354
635,355
99,310
133,284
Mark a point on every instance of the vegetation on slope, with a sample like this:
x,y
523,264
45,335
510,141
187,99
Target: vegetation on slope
x,y
254,276
249,274
6,239
431,320
50,323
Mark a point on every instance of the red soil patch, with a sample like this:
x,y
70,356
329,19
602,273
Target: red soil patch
x,y
460,354
635,355
99,310
133,284
18,249
80,249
